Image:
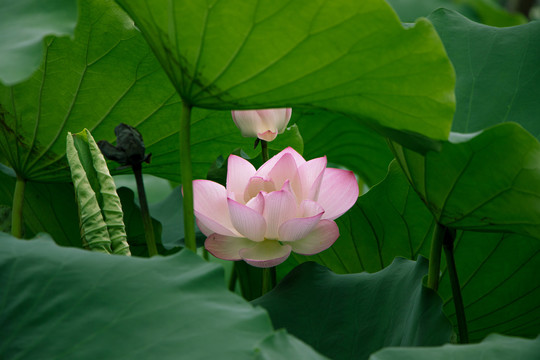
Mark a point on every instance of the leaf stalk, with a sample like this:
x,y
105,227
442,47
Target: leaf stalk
x,y
264,151
17,209
448,245
268,279
233,278
145,213
187,176
435,256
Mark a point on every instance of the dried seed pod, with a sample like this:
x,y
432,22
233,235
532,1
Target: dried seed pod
x,y
130,149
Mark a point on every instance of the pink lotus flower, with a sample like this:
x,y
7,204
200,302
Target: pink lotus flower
x,y
262,215
264,124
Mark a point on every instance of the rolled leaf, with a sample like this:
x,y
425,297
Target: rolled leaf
x,y
93,227
100,182
111,207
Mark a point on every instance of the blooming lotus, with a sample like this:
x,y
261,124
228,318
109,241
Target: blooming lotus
x,y
288,204
263,124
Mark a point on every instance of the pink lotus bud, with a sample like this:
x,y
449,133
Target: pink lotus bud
x,y
263,124
288,204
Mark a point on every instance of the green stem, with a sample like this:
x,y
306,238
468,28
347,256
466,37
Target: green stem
x,y
435,257
448,245
187,177
268,279
16,210
234,277
205,254
264,151
145,213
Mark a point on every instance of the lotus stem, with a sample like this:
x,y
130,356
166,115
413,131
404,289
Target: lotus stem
x,y
187,177
264,151
145,213
233,278
448,245
17,209
268,279
435,256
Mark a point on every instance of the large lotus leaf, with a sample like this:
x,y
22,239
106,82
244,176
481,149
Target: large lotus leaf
x,y
70,303
347,56
497,72
487,181
494,347
496,270
351,316
410,10
488,12
344,141
23,25
48,207
497,273
492,13
105,76
282,346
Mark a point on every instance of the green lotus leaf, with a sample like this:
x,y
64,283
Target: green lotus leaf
x,y
497,78
486,181
333,312
346,56
48,207
70,303
23,26
494,347
496,270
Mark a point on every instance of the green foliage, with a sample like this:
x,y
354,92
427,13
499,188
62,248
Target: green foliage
x,y
108,54
5,218
346,56
351,72
497,273
344,141
496,71
170,214
485,182
134,225
494,347
488,12
351,316
279,345
48,207
62,95
112,307
388,221
496,270
290,137
23,25
492,13
410,10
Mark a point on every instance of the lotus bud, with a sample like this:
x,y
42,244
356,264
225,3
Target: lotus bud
x,y
262,124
